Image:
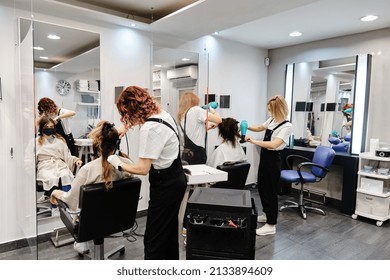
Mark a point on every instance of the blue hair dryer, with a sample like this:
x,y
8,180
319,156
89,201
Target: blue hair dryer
x,y
213,105
243,129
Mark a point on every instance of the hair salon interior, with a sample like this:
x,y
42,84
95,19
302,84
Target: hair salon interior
x,y
240,54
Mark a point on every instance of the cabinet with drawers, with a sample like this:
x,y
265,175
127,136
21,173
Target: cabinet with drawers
x,y
373,191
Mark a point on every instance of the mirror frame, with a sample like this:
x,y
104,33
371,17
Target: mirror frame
x,y
360,97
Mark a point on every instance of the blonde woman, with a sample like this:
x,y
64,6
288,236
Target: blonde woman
x,y
277,133
192,120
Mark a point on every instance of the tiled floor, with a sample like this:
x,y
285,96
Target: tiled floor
x,y
335,236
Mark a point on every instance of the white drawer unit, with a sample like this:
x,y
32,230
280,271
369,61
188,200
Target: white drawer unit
x,y
373,191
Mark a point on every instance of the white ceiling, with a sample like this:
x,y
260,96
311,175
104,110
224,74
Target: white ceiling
x,y
260,23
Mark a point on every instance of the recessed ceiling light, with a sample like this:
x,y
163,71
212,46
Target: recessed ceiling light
x,y
295,34
43,57
369,18
216,33
133,25
157,65
185,59
38,48
54,37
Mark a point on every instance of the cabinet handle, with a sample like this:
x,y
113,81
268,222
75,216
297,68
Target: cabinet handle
x,y
368,198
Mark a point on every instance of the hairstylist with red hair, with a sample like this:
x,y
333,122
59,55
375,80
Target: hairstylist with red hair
x,y
159,156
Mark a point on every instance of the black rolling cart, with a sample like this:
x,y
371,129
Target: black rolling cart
x,y
221,224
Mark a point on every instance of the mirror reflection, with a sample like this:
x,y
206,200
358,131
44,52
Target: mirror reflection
x,y
322,102
174,73
67,77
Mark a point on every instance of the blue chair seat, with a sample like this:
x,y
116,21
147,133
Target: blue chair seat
x,y
292,176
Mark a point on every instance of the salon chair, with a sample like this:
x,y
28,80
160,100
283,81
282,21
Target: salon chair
x,y
237,174
337,145
103,212
318,167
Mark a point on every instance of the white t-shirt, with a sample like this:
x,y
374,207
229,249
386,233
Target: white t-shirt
x,y
195,125
159,142
226,152
283,132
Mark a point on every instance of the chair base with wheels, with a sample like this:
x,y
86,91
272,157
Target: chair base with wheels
x,y
318,168
301,206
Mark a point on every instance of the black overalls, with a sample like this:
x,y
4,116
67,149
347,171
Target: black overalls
x,y
167,188
268,178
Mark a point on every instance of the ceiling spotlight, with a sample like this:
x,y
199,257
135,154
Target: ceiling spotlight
x,y
43,57
369,18
295,34
133,25
53,37
38,48
216,33
185,59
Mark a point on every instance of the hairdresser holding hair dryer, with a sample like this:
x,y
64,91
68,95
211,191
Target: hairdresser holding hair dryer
x,y
192,119
277,134
159,156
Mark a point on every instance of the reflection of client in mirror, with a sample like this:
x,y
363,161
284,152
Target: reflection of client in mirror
x,y
105,140
54,161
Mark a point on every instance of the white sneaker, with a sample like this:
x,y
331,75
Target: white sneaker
x,y
55,212
43,199
262,218
266,230
81,248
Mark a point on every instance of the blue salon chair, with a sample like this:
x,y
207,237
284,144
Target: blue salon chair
x,y
337,145
318,168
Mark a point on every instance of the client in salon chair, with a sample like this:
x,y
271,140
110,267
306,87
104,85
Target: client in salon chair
x,y
229,150
105,139
54,161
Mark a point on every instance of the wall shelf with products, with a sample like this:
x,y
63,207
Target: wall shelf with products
x,y
157,85
373,191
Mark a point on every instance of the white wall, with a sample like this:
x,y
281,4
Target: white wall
x,y
376,43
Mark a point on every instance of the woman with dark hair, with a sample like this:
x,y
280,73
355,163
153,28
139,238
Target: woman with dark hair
x,y
229,149
47,107
54,161
159,156
105,141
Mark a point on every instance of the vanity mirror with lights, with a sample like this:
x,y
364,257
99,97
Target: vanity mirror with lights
x,y
319,92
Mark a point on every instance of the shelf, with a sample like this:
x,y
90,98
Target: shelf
x,y
387,194
87,91
371,157
88,104
371,216
373,175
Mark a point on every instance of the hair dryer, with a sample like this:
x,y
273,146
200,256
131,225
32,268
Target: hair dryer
x,y
213,105
243,129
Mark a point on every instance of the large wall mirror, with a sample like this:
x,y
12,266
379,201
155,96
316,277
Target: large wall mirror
x,y
174,72
329,100
66,65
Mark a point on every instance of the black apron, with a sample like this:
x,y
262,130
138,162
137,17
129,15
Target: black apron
x,y
167,188
268,178
68,137
192,153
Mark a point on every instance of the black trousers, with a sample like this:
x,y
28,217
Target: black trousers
x,y
167,188
267,183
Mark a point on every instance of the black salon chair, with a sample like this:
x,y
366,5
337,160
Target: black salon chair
x,y
318,168
102,213
237,174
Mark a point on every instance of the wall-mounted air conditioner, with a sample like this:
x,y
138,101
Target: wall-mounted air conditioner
x,y
187,72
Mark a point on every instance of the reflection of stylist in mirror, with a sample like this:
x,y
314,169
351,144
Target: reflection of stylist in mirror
x,y
347,112
159,156
277,134
47,107
192,121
